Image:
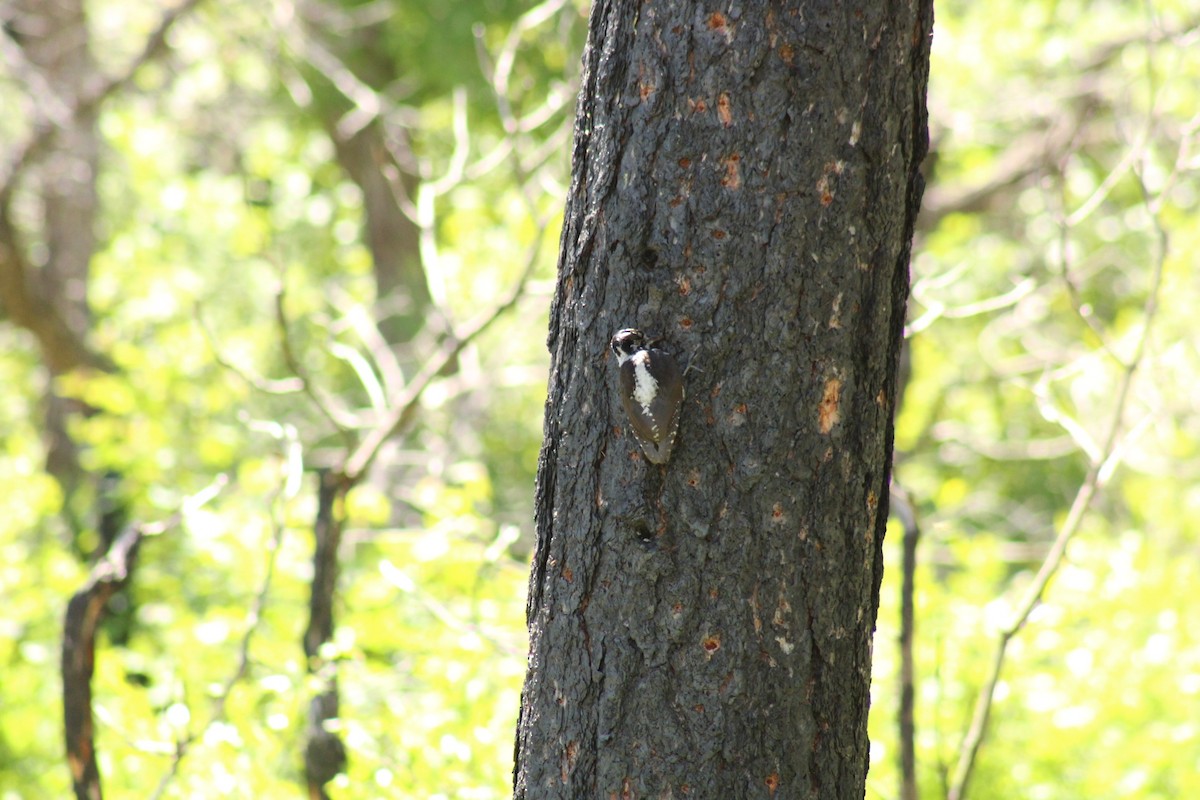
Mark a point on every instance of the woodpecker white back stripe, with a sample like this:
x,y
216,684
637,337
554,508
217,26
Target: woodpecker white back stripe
x,y
645,388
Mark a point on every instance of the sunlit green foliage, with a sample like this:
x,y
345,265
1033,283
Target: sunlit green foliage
x,y
1077,123
217,193
220,187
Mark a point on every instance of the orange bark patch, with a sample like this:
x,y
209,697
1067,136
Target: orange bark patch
x,y
824,191
830,410
723,109
733,173
568,761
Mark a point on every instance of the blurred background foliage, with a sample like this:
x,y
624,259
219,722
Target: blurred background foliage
x,y
299,203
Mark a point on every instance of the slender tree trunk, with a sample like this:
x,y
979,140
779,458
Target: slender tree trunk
x,y
324,751
744,185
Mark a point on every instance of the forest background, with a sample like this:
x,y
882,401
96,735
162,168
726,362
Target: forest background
x,y
321,222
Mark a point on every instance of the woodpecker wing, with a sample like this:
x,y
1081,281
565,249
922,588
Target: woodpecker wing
x,y
656,422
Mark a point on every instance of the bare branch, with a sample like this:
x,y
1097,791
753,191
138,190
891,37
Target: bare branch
x,y
265,385
355,317
85,611
366,376
253,618
63,347
1103,464
343,423
46,128
324,751
935,309
403,412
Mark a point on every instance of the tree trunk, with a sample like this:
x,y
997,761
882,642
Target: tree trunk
x,y
744,185
376,155
48,294
401,288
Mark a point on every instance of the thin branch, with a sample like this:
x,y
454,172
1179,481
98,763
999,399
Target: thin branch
x,y
500,76
402,413
265,385
1083,311
366,376
1108,458
85,611
453,176
367,104
936,309
47,128
253,618
402,581
356,318
343,423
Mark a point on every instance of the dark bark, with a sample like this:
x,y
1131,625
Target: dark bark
x,y
745,184
84,614
324,752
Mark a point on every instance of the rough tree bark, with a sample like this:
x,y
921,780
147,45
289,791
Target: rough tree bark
x,y
745,184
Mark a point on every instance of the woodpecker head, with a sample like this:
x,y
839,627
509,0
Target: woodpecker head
x,y
626,342
651,392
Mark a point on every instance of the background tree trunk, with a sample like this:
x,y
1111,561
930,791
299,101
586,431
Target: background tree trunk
x,y
744,184
53,37
376,155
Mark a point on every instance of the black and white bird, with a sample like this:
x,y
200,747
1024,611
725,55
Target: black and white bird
x,y
651,392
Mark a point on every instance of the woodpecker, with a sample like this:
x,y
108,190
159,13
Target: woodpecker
x,y
651,391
